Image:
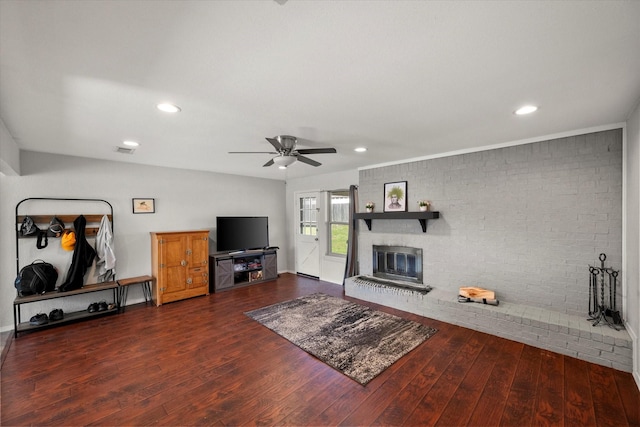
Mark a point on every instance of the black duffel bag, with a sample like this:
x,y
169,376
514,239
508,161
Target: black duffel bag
x,y
36,278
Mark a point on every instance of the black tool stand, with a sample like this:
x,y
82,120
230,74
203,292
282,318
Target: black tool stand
x,y
597,310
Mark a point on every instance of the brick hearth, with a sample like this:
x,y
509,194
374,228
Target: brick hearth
x,y
554,331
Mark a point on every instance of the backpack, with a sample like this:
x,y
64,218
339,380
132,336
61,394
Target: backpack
x,y
36,278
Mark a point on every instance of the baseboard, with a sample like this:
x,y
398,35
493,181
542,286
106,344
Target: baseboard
x,y
636,354
8,340
308,276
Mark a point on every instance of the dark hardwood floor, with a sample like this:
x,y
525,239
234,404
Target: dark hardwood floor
x,y
202,361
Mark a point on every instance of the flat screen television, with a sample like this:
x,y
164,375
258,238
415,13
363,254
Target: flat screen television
x,y
238,233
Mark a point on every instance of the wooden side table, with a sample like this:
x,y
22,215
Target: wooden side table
x,y
123,289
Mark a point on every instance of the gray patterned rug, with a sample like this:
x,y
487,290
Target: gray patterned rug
x,y
354,339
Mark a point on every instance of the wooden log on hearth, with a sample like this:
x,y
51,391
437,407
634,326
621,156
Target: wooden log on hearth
x,y
474,292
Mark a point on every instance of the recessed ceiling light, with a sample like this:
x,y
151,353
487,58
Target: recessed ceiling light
x,y
130,143
168,108
527,109
360,149
282,167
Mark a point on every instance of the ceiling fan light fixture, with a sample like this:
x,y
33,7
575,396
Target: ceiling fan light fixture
x,y
284,160
360,149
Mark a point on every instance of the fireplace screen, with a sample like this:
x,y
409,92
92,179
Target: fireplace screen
x,y
398,263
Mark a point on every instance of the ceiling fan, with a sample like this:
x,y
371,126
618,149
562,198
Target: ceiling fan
x,y
287,154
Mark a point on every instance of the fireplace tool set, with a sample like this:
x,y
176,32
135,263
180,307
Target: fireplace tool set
x,y
607,278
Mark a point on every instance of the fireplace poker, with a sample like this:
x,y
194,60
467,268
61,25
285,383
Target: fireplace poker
x,y
593,292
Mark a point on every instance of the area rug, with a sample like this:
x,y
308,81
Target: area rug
x,y
356,340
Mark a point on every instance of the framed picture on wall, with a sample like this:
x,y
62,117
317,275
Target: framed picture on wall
x,y
141,206
395,196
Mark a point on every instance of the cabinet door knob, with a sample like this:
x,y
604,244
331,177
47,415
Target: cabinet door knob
x,y
183,263
189,281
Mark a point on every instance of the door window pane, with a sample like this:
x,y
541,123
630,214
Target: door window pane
x,y
308,225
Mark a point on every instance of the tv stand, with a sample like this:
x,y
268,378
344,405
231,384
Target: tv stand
x,y
230,270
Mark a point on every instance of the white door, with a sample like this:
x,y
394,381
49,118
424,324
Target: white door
x,y
307,234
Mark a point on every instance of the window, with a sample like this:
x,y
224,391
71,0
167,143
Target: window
x,y
339,222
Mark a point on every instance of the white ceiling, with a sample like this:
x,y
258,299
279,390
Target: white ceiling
x,y
403,78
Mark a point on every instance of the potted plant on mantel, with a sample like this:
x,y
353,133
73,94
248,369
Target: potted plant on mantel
x,y
369,206
424,205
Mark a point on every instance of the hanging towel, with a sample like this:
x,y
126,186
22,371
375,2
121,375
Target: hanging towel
x,y
106,262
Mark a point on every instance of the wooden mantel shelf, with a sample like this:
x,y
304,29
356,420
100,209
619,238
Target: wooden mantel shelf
x,y
423,217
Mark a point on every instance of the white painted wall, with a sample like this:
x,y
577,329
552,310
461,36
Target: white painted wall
x,y
632,235
331,267
185,200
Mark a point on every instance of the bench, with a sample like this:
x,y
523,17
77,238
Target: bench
x,y
123,289
119,288
19,326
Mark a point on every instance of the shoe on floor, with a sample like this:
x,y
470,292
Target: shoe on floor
x,y
56,314
102,306
39,319
93,307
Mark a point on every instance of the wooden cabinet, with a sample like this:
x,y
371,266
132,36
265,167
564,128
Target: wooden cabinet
x,y
179,261
234,270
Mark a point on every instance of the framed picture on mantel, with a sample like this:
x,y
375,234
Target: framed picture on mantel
x,y
395,196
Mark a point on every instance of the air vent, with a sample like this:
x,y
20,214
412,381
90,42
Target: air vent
x,y
125,150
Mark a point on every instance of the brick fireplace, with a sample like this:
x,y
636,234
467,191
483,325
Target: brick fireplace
x,y
524,221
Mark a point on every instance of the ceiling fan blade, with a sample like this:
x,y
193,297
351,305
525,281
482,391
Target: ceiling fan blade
x,y
269,163
276,144
252,152
308,161
316,150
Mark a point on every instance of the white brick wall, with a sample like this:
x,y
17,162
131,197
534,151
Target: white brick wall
x,y
525,221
